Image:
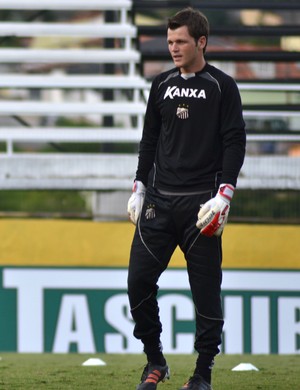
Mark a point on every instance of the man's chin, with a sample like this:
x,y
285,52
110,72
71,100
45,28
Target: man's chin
x,y
177,63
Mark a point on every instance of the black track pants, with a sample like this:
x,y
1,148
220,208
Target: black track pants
x,y
165,222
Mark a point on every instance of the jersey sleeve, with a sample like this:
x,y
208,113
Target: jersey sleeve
x,y
150,136
232,130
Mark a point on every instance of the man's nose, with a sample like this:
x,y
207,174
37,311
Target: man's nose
x,y
174,47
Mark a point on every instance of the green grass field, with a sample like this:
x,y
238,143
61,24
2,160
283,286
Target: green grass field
x,y
122,372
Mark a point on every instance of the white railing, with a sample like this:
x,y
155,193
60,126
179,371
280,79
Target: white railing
x,y
276,172
267,87
63,171
118,5
37,135
123,6
270,172
35,29
34,108
97,171
67,81
79,171
108,171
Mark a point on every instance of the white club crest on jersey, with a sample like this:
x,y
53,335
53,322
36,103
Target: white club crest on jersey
x,y
182,111
174,91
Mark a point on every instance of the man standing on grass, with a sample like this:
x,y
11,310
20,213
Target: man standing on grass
x,y
190,155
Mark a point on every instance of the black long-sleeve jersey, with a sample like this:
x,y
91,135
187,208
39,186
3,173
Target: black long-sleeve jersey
x,y
194,132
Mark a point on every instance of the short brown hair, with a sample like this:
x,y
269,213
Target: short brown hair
x,y
195,21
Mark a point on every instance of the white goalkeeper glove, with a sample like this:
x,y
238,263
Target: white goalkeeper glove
x,y
136,200
213,215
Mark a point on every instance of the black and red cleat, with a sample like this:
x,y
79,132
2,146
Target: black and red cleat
x,y
152,375
196,382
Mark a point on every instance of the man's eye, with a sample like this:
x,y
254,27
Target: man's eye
x,y
176,43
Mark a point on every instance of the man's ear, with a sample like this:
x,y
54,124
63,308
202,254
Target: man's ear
x,y
201,42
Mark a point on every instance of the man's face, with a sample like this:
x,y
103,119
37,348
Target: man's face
x,y
186,54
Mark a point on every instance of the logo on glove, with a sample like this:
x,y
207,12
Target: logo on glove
x,y
209,218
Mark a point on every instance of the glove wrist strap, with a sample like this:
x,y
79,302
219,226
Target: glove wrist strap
x,y
138,187
227,191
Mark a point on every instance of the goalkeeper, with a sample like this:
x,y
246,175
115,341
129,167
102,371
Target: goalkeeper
x,y
190,155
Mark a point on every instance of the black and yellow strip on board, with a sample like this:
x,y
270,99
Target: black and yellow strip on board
x,y
38,242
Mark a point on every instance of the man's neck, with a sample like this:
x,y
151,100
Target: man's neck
x,y
194,69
